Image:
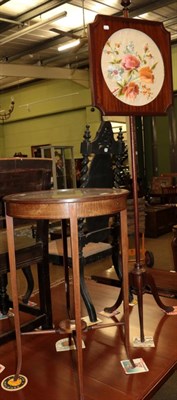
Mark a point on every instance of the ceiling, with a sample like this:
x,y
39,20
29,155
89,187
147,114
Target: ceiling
x,y
31,32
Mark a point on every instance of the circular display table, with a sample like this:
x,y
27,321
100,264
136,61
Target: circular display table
x,y
70,204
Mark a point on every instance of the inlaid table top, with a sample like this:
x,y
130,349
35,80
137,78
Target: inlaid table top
x,y
57,203
66,195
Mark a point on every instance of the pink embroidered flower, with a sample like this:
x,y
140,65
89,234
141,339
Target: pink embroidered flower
x,y
131,90
146,75
129,61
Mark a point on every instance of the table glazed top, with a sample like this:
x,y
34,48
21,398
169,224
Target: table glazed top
x,y
66,196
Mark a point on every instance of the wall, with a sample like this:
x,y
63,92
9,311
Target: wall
x,y
174,66
49,112
163,148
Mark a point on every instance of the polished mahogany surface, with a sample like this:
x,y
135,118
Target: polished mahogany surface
x,y
52,375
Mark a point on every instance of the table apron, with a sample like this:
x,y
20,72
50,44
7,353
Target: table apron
x,y
64,210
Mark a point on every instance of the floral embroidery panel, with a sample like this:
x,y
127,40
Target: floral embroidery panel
x,y
132,67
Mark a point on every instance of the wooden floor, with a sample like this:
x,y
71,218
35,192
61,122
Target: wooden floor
x,y
52,375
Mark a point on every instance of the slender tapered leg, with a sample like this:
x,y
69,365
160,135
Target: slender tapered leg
x,y
14,289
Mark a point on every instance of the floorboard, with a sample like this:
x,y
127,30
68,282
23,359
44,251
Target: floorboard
x,y
53,375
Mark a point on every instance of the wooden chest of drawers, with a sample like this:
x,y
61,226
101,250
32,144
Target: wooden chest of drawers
x,y
159,220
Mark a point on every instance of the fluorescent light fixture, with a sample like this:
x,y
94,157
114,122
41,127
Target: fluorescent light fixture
x,y
31,28
145,15
69,45
141,16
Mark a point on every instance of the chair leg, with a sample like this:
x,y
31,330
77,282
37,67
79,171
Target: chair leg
x,y
117,263
30,282
85,294
45,293
44,277
4,298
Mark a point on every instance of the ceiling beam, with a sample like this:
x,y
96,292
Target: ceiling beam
x,y
46,44
3,2
36,11
31,28
33,13
42,72
154,5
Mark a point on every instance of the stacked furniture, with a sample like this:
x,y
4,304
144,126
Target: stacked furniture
x,y
18,175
